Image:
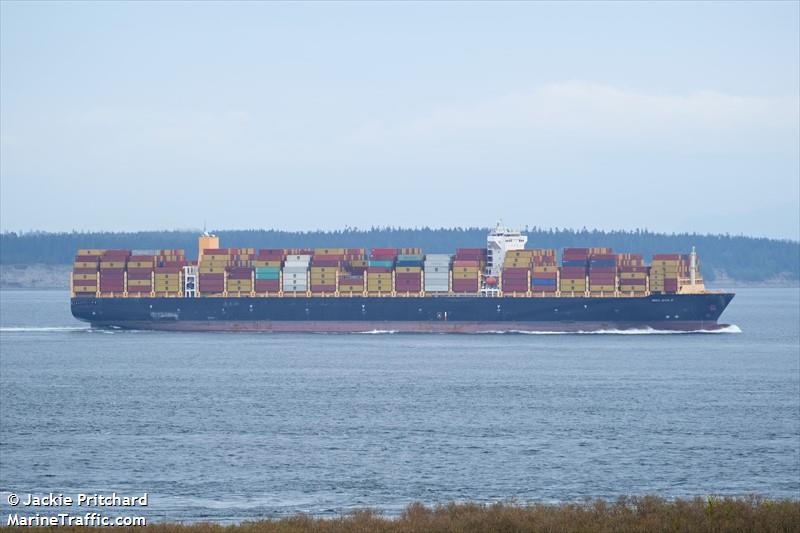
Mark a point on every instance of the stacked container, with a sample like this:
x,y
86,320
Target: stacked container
x,y
112,271
516,271
167,272
325,266
408,273
379,271
212,271
602,274
544,272
176,257
239,279
467,268
267,269
140,274
632,274
85,271
574,263
666,272
295,273
437,273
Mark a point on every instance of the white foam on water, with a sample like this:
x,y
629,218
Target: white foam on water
x,y
377,332
642,331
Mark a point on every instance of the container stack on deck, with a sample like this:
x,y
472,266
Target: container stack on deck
x,y
325,265
467,267
295,271
211,271
408,271
167,272
667,271
437,273
516,271
602,273
574,265
379,271
632,274
595,272
351,276
112,271
84,272
140,273
267,271
544,272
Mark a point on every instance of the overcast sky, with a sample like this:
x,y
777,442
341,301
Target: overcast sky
x,y
673,117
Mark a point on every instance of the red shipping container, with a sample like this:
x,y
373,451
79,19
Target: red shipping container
x,y
666,257
84,282
84,270
325,262
267,285
544,275
87,259
323,288
379,270
466,263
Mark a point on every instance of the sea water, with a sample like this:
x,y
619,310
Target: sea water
x,y
235,426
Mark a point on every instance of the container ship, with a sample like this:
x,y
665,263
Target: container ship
x,y
504,287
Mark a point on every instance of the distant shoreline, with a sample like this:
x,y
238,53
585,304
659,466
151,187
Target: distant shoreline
x,y
46,276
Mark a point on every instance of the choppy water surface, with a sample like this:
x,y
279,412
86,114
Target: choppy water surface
x,y
234,426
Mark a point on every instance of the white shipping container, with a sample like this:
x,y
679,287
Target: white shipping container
x,y
305,258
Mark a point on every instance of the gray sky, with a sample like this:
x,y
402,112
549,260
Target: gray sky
x,y
674,117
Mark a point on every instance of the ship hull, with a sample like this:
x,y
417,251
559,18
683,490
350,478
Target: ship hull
x,y
441,314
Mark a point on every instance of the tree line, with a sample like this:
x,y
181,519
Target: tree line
x,y
738,257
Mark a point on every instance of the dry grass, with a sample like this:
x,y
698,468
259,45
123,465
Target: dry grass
x,y
645,514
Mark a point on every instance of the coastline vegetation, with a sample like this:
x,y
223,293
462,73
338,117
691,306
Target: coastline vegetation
x,y
723,257
648,514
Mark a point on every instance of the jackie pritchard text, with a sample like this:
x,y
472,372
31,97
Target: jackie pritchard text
x,y
79,500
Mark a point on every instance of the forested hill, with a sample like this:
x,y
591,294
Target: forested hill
x,y
722,256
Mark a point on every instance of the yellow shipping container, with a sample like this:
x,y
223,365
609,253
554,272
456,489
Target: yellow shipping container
x,y
632,275
84,276
90,251
324,269
84,264
382,275
112,264
258,263
138,282
83,289
140,264
465,275
406,270
519,253
604,288
211,270
329,251
537,269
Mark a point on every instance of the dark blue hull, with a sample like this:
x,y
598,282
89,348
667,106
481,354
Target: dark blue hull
x,y
681,312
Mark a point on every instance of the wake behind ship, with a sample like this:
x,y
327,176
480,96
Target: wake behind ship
x,y
503,287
